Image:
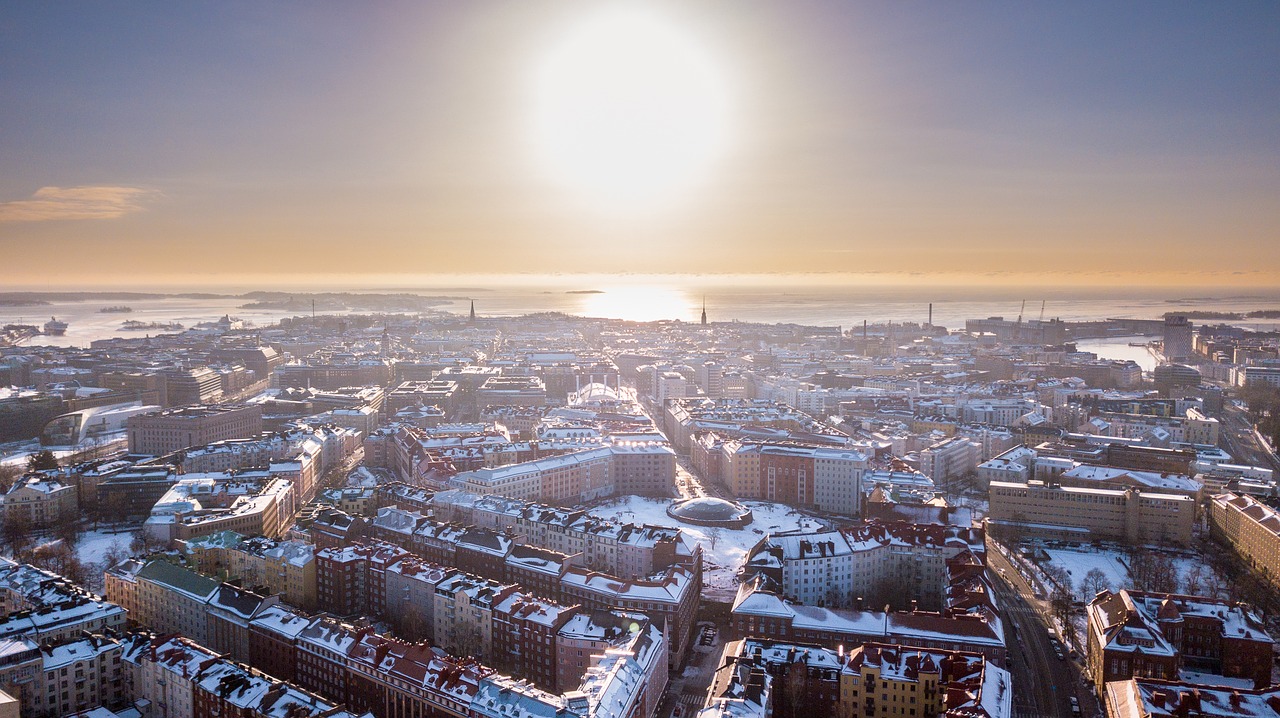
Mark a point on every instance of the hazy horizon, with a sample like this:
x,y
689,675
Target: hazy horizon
x,y
870,286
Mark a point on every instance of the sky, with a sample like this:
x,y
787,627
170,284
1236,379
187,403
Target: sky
x,y
990,141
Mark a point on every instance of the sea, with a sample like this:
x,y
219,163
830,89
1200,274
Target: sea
x,y
821,301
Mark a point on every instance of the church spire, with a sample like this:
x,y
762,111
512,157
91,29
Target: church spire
x,y
473,310
704,310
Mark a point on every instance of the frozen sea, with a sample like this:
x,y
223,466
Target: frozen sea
x,y
793,299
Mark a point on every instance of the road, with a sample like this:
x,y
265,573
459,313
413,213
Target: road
x,y
1237,438
1042,683
689,485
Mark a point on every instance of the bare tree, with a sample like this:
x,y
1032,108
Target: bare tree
x,y
1141,567
1060,602
1093,582
413,623
1193,582
464,640
8,474
1164,574
1057,575
114,554
17,532
1214,586
67,528
144,544
59,557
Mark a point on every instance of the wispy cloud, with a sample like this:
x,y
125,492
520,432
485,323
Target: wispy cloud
x,y
90,202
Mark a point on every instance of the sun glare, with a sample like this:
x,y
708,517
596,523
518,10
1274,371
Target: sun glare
x,y
630,112
637,303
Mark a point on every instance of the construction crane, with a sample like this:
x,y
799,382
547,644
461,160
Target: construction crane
x,y
1042,311
1021,311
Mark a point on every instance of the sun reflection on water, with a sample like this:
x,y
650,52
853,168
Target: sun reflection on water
x,y
638,303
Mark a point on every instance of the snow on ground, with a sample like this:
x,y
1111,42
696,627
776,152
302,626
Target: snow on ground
x,y
93,545
1079,561
362,477
723,550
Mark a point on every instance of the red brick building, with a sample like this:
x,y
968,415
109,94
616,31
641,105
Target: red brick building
x,y
1135,634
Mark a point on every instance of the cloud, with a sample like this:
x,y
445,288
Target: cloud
x,y
91,202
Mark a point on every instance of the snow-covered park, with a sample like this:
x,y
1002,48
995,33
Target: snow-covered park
x,y
1113,563
723,549
94,545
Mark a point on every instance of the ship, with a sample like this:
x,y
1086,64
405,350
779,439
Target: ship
x,y
133,325
55,328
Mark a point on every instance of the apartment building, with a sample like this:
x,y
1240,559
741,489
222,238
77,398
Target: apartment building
x,y
163,596
40,501
20,668
252,503
950,459
1138,698
172,430
306,452
44,606
876,563
578,476
1192,428
625,550
1251,528
759,612
287,568
350,580
180,677
585,636
525,635
827,479
76,674
669,599
765,677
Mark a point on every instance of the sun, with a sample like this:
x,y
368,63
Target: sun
x,y
629,111
637,303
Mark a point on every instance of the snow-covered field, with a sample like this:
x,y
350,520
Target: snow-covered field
x,y
94,545
1078,561
723,549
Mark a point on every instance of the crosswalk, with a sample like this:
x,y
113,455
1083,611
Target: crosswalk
x,y
690,703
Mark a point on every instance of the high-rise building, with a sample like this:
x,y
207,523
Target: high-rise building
x,y
1177,337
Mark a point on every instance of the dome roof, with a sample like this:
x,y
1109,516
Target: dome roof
x,y
708,508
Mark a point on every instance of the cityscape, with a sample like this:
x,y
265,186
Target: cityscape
x,y
727,385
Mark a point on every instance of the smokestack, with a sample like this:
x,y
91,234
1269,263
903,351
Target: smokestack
x,y
930,313
864,330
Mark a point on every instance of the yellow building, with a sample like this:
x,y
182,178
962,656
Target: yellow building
x,y
1251,528
1075,513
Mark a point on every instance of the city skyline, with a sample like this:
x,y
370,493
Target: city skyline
x,y
979,144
